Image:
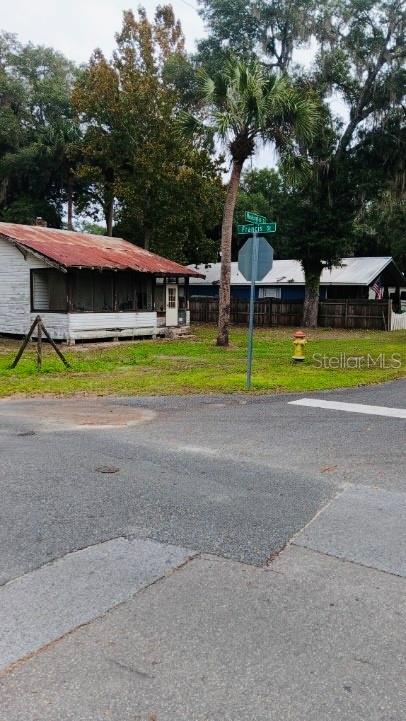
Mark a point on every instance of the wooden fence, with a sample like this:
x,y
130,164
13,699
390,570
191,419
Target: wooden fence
x,y
367,314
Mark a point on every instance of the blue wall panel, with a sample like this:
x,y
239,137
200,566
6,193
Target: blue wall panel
x,y
242,292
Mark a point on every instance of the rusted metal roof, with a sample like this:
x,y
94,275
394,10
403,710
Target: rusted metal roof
x,y
82,250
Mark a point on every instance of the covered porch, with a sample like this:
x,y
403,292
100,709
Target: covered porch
x,y
80,304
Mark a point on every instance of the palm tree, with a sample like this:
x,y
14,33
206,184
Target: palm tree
x,y
242,105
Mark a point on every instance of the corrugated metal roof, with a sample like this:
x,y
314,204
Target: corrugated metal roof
x,y
352,271
82,250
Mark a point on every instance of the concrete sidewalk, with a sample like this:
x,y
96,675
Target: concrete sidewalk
x,y
311,637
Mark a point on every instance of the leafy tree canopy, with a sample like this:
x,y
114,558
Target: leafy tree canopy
x,y
36,125
165,193
356,158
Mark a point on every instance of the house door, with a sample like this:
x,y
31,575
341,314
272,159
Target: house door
x,y
172,305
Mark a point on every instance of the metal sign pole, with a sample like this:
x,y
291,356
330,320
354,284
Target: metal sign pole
x,y
254,271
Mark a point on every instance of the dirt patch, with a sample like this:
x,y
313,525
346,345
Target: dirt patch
x,y
74,413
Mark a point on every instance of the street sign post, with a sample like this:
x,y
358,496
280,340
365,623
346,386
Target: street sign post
x,y
255,260
254,270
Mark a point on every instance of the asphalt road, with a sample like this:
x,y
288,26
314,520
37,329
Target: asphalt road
x,y
229,475
191,559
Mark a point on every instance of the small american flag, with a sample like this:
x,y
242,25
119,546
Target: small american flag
x,y
378,288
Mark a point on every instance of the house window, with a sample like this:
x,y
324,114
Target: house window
x,y
182,297
48,291
160,298
270,293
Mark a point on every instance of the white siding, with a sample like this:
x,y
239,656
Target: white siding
x,y
111,325
15,301
57,324
79,326
15,306
110,321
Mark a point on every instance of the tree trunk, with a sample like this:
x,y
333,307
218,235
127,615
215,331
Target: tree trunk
x,y
3,191
70,206
312,293
226,240
110,216
147,238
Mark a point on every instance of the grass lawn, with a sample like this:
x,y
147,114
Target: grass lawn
x,y
196,365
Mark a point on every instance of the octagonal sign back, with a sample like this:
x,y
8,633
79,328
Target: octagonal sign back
x,y
265,258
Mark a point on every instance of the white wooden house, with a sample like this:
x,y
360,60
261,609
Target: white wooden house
x,y
87,286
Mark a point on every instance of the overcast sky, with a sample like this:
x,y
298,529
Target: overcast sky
x,y
76,27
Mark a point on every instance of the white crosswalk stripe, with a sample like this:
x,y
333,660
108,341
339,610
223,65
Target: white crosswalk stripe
x,y
351,407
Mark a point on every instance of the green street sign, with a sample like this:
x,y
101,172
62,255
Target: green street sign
x,y
250,229
254,218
